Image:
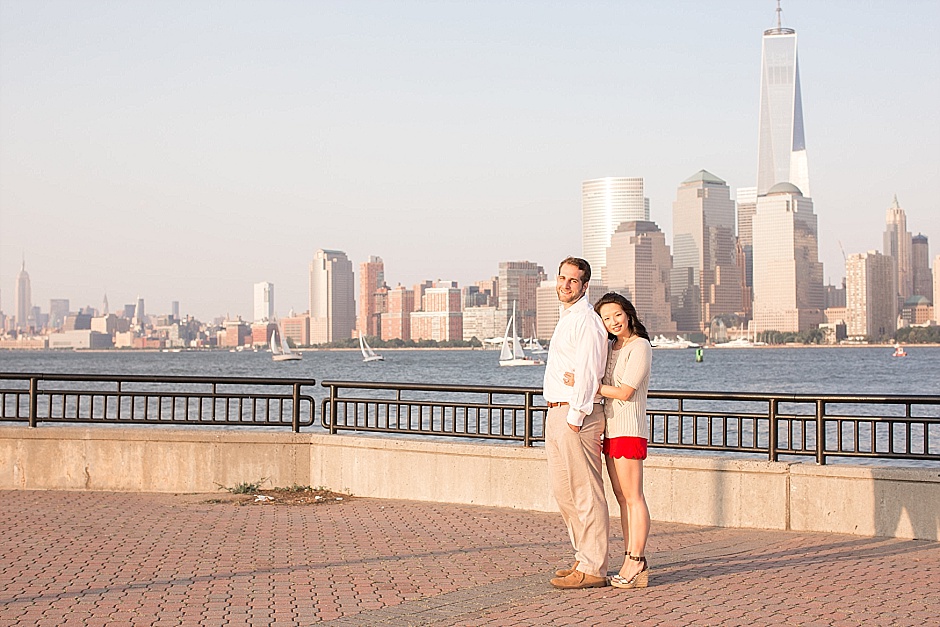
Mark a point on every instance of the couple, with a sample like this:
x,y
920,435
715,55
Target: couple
x,y
596,382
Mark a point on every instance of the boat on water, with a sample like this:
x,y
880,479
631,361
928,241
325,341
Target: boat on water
x,y
741,342
512,353
661,341
899,351
533,345
280,349
367,353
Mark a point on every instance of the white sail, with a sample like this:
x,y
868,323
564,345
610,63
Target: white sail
x,y
280,348
367,353
512,353
517,351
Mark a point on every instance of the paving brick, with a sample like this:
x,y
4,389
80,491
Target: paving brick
x,y
104,558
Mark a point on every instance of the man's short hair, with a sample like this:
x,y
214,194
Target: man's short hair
x,y
580,264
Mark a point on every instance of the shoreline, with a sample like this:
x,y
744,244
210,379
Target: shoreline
x,y
126,351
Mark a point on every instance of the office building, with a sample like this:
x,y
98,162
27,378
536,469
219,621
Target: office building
x,y
332,297
140,315
264,302
371,281
175,309
897,245
396,319
58,310
24,303
788,277
483,323
746,206
870,296
490,287
440,318
104,306
518,283
936,287
296,329
705,281
781,144
605,203
921,279
638,267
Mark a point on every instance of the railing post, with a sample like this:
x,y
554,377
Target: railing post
x,y
820,432
33,401
295,414
529,418
772,445
333,410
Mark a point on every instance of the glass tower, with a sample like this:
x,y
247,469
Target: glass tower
x,y
781,145
605,203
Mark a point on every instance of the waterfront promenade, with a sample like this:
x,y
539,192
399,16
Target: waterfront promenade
x,y
101,558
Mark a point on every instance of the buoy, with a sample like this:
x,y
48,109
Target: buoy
x,y
699,355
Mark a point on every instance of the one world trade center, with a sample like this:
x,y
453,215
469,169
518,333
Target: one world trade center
x,y
781,146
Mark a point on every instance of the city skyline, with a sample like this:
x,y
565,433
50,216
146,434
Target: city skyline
x,y
129,166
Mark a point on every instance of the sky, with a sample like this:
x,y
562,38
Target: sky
x,y
187,150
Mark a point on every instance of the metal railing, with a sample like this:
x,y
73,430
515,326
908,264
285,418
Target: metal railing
x,y
771,425
115,399
470,411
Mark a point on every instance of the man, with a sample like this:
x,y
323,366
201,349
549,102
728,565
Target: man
x,y
574,425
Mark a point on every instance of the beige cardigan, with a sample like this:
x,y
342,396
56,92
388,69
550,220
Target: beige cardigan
x,y
628,418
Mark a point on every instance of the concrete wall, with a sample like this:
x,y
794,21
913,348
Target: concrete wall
x,y
898,502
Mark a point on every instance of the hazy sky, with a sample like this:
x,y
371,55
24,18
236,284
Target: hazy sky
x,y
185,150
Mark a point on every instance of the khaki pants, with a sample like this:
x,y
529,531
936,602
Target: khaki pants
x,y
575,473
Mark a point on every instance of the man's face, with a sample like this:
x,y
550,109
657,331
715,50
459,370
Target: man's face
x,y
569,285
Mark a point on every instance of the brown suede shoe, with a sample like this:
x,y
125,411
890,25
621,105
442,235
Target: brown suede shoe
x,y
578,580
564,572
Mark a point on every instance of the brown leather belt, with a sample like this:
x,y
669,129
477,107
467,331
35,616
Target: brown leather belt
x,y
551,405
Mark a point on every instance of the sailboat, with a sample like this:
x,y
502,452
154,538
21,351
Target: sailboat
x,y
367,353
280,349
512,353
533,345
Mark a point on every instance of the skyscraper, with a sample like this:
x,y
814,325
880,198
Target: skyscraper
x,y
705,280
920,267
788,278
746,200
24,303
605,203
518,283
396,320
332,297
897,244
264,302
781,145
870,292
638,267
371,279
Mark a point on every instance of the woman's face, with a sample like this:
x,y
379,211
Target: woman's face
x,y
615,319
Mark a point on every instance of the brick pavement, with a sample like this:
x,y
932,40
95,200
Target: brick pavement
x,y
92,558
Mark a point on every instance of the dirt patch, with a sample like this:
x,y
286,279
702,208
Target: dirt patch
x,y
285,496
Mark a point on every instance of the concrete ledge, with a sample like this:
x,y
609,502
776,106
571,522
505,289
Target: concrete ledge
x,y
898,502
894,502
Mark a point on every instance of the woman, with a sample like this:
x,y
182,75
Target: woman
x,y
625,385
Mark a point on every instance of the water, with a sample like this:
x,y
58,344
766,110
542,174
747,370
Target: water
x,y
855,370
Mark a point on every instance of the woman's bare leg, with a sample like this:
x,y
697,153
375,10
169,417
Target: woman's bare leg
x,y
626,478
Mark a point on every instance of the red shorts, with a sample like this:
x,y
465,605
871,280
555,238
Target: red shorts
x,y
625,446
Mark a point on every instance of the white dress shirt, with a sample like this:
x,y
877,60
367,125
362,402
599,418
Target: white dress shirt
x,y
579,345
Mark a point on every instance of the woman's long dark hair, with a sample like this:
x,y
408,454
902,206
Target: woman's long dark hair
x,y
633,320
